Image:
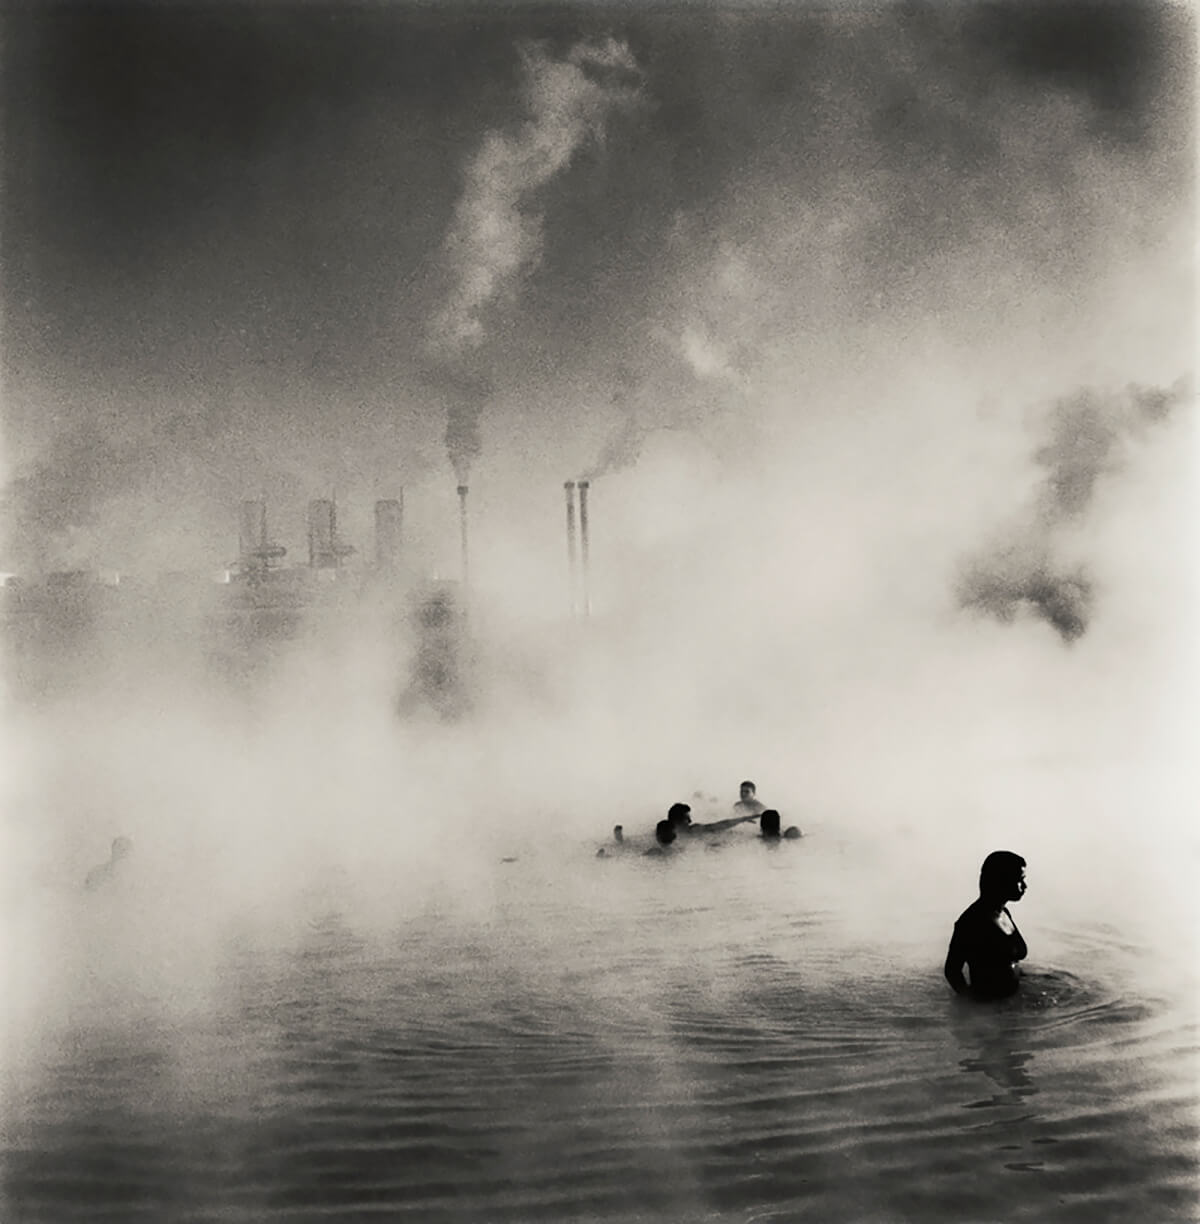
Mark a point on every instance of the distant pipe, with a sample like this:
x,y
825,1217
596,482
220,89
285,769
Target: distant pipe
x,y
255,550
462,523
389,527
569,489
252,527
583,546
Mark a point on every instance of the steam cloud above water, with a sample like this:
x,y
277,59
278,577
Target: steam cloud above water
x,y
1089,435
757,269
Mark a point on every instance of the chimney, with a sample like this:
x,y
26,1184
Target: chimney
x,y
252,530
389,525
322,531
462,523
255,551
569,489
583,547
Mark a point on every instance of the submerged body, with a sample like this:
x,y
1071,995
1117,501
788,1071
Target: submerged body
x,y
991,947
986,941
770,830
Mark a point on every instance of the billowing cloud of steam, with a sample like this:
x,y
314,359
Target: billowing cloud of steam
x,y
646,409
1088,434
495,237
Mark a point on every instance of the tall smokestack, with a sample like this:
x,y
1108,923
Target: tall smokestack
x,y
252,528
569,489
322,532
462,523
389,526
583,546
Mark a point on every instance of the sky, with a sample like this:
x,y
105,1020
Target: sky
x,y
873,328
301,249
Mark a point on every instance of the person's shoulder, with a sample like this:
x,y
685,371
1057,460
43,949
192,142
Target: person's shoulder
x,y
972,916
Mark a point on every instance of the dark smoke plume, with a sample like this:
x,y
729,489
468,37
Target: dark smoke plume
x,y
1087,432
464,392
1088,435
66,490
1004,586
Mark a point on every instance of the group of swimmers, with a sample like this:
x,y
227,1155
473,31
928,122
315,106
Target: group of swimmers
x,y
679,823
986,948
986,942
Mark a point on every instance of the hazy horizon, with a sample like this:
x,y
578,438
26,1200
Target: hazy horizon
x,y
872,326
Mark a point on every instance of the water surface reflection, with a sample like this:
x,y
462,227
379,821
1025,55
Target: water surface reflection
x,y
716,1042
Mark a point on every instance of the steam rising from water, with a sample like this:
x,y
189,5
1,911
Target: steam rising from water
x,y
778,583
1090,433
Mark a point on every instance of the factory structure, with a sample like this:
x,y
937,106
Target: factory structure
x,y
264,598
261,600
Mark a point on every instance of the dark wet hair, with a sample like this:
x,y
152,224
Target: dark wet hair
x,y
664,832
679,813
751,785
999,869
768,822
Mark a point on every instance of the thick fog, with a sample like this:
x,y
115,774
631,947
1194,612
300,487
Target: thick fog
x,y
887,413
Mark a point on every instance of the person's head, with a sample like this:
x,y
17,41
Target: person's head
x,y
664,832
618,833
122,847
679,814
1002,876
747,790
768,823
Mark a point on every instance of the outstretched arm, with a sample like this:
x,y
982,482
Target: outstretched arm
x,y
718,825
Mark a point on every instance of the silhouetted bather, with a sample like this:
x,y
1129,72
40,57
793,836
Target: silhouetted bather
x,y
768,824
618,839
122,848
680,815
986,939
664,835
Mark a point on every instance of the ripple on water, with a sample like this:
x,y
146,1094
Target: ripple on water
x,y
737,1059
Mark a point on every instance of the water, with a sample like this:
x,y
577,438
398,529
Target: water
x,y
740,1034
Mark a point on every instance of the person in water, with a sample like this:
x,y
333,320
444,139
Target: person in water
x,y
748,806
122,848
664,836
769,827
680,816
986,939
618,839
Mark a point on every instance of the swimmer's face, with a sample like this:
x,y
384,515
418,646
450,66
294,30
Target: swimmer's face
x,y
747,791
1018,886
